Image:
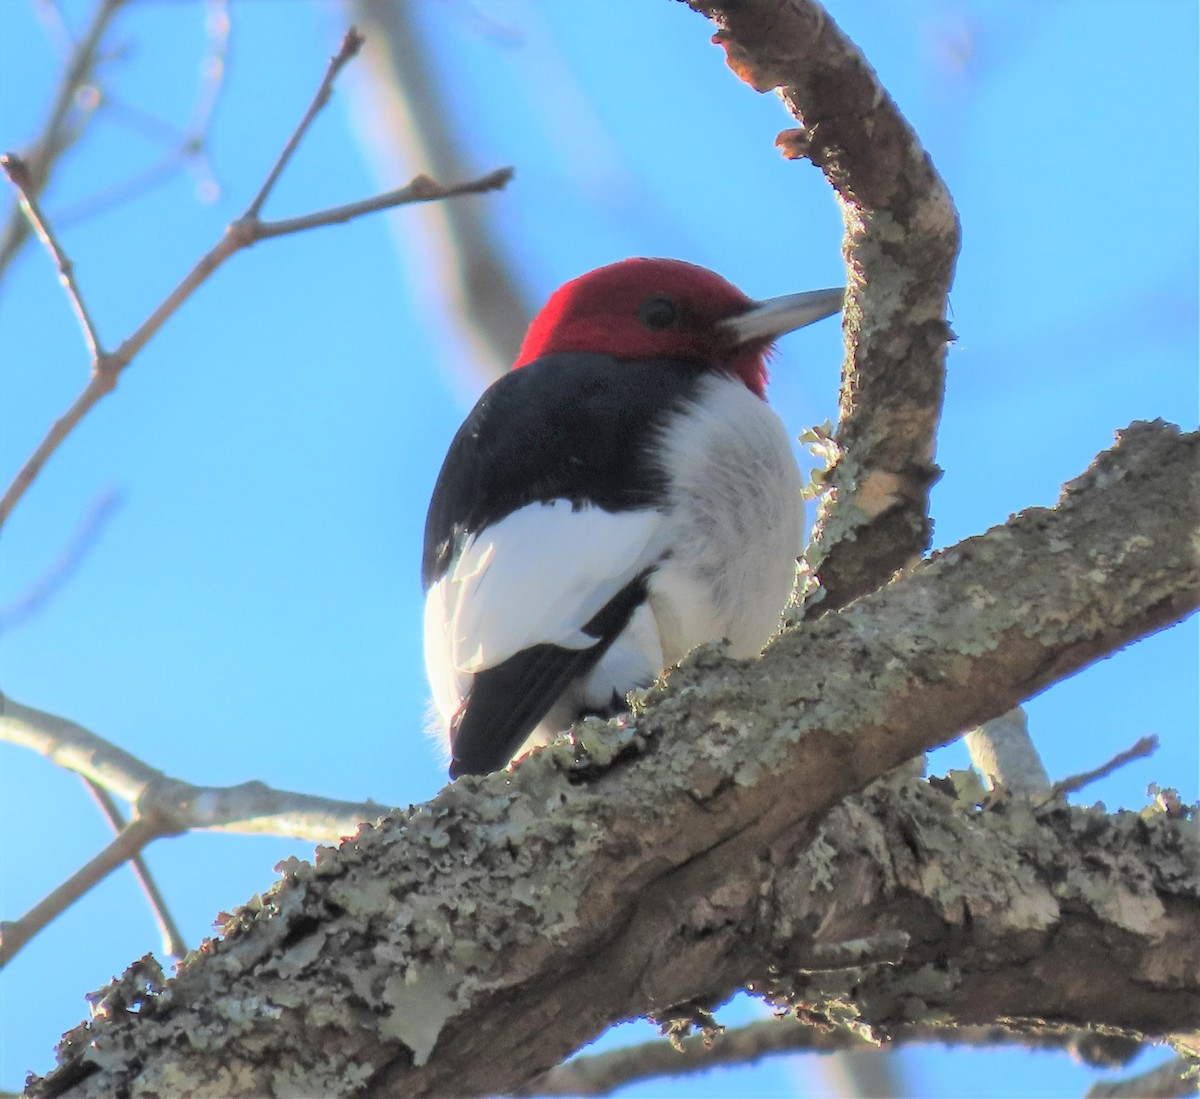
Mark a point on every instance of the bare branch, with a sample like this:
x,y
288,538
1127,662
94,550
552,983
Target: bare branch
x,y
409,109
1146,746
22,179
351,44
187,146
14,934
421,189
604,1073
241,233
172,939
163,806
212,69
74,748
98,385
251,807
25,605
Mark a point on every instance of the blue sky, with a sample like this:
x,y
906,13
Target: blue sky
x,y
252,607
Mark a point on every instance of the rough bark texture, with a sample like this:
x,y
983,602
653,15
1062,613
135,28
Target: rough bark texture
x,y
674,859
901,243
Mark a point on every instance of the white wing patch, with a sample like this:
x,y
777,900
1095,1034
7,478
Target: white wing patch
x,y
535,577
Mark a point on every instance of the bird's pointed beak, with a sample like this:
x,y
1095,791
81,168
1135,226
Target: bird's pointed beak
x,y
765,320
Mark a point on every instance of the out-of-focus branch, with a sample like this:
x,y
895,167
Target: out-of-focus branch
x,y
604,1073
474,275
900,245
1145,746
187,146
25,605
241,233
57,133
162,806
1178,1078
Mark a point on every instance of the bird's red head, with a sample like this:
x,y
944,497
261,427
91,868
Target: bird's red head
x,y
650,308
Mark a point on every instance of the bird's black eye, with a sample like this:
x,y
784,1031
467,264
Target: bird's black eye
x,y
657,313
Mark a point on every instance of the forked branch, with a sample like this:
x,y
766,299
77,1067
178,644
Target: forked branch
x,y
107,366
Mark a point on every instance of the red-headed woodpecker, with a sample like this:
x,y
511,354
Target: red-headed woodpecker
x,y
622,496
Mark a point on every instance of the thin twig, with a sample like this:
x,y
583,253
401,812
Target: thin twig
x,y
186,146
124,191
173,943
16,933
97,386
50,15
1148,745
351,44
241,233
22,179
421,189
212,67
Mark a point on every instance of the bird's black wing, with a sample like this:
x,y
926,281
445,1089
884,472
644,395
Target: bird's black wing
x,y
567,426
507,701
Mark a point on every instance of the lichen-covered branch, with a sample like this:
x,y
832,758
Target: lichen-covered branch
x,y
901,243
1049,920
643,866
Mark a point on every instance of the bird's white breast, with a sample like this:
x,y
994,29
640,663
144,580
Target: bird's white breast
x,y
736,523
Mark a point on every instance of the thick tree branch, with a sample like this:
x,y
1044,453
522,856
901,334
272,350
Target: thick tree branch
x,y
901,244
643,866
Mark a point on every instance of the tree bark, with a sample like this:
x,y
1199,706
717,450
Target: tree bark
x,y
472,942
900,245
